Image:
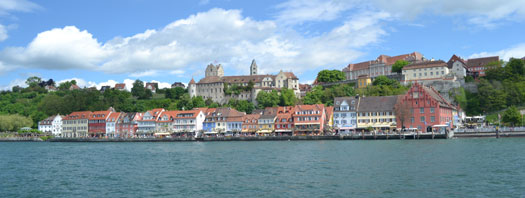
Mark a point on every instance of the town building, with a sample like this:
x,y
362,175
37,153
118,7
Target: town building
x,y
363,81
457,66
427,109
376,112
304,88
216,121
75,87
250,124
153,86
221,88
234,124
309,119
50,88
111,124
97,123
267,121
178,84
329,123
426,71
284,124
51,125
478,66
189,122
345,114
147,124
104,88
164,125
76,124
120,87
382,66
127,124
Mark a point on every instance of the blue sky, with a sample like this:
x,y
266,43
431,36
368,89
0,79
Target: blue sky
x,y
102,42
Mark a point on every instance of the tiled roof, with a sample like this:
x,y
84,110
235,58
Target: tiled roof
x,y
78,115
377,103
269,112
99,115
191,81
290,75
434,94
453,59
426,64
194,113
120,86
113,117
329,111
315,107
251,116
477,62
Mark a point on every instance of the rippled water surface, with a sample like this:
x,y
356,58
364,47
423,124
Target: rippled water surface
x,y
393,168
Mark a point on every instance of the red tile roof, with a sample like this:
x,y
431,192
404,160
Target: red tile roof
x,y
113,117
192,81
78,115
99,115
120,86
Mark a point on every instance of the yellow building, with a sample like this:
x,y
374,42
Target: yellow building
x,y
267,121
376,112
363,81
76,124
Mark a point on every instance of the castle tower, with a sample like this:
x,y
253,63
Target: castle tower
x,y
253,68
220,70
192,88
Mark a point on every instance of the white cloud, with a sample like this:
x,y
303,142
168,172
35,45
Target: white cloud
x,y
3,33
517,51
129,83
162,85
144,73
16,82
17,5
190,44
299,11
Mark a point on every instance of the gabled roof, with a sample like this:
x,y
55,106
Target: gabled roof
x,y
426,64
169,114
269,112
339,100
251,116
480,62
182,114
377,103
455,58
435,94
113,117
314,107
78,115
192,81
329,111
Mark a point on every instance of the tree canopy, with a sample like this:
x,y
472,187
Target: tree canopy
x,y
330,76
398,65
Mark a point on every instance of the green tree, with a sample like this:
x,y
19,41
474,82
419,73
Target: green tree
x,y
175,93
287,97
198,102
398,65
33,81
265,99
241,105
383,80
330,76
511,116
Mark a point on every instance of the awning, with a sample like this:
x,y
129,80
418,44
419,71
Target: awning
x,y
210,132
264,131
161,134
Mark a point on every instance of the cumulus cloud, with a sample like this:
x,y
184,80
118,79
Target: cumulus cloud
x,y
517,51
219,35
128,82
15,82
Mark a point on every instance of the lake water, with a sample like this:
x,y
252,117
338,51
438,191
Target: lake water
x,y
393,168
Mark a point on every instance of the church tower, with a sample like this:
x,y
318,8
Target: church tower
x,y
253,68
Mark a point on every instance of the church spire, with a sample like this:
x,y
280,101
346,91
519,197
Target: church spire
x,y
253,68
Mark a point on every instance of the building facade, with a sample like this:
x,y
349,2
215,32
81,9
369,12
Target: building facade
x,y
111,124
457,66
427,108
377,112
52,125
76,124
425,71
382,66
97,123
309,119
477,66
127,124
345,114
147,124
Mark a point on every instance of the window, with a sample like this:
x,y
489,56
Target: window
x,y
432,119
432,110
422,118
421,110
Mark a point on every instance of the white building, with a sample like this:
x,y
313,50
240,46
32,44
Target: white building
x,y
457,66
345,114
111,124
189,121
52,124
147,125
429,70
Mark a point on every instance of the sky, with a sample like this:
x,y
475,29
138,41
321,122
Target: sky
x,y
101,42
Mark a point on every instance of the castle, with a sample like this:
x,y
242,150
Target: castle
x,y
244,87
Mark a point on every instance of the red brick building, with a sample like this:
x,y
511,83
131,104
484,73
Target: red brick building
x,y
127,124
284,122
250,124
97,123
477,66
428,108
309,119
